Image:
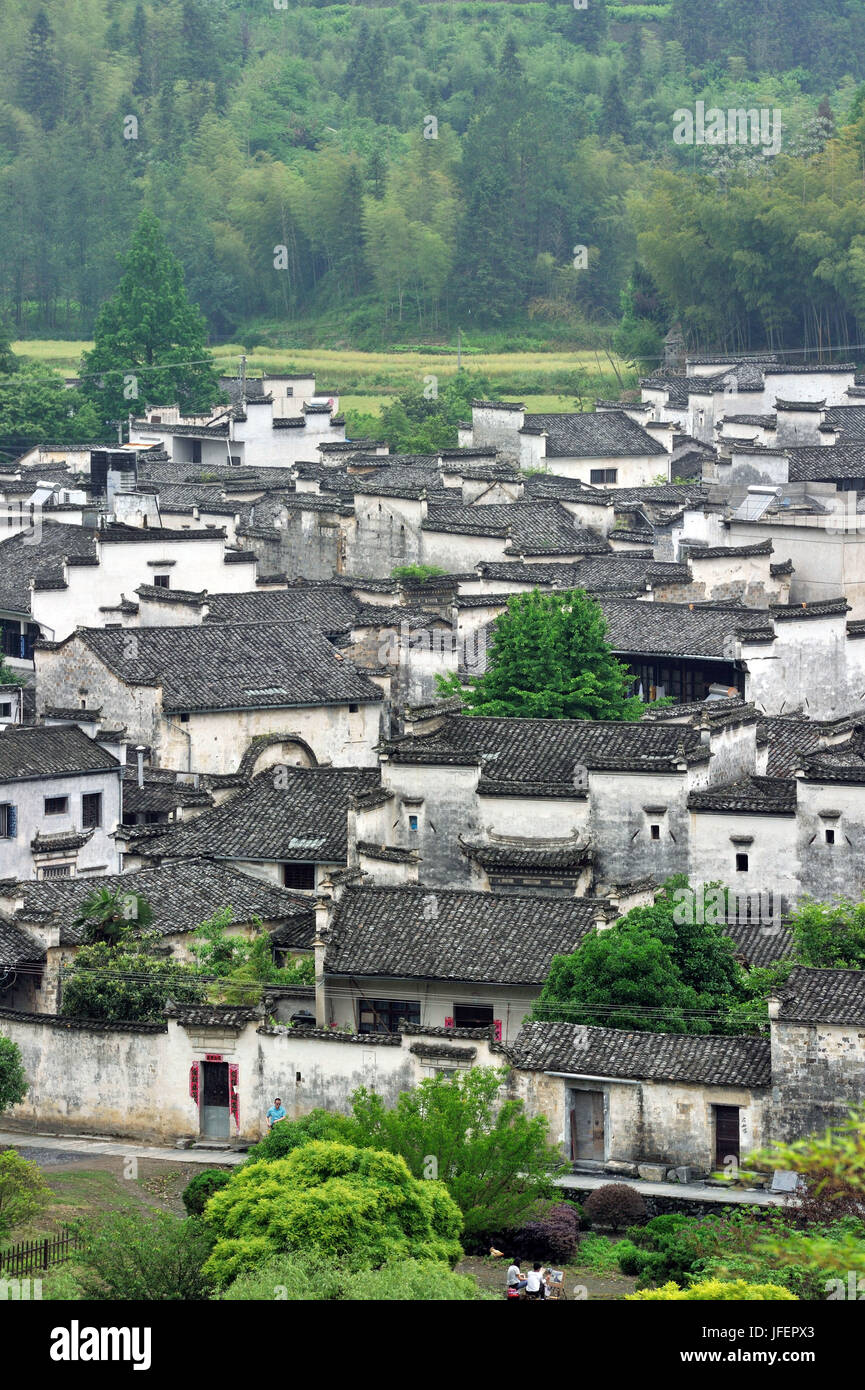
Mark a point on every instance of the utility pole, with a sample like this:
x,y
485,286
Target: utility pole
x,y
243,379
459,349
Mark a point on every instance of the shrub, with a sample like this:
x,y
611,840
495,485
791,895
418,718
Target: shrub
x,y
615,1205
13,1082
151,1256
198,1192
296,1278
599,1255
288,1135
345,1202
714,1290
23,1190
551,1235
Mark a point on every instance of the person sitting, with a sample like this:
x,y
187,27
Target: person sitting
x,y
535,1287
516,1282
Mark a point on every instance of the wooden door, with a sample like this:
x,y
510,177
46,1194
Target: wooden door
x,y
215,1115
587,1125
726,1135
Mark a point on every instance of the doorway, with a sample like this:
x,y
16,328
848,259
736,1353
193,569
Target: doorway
x,y
587,1125
726,1135
215,1114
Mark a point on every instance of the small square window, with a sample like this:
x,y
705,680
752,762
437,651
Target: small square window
x,y
184,718
161,580
91,810
741,863
56,805
830,837
5,709
655,831
412,822
353,709
298,875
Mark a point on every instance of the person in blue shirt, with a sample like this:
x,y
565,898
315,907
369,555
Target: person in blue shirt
x,y
275,1113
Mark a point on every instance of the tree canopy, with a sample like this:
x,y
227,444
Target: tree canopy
x,y
550,659
150,341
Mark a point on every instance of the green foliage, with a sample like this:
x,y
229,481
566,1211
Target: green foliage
x,y
550,659
200,1189
598,1254
493,1159
303,1278
150,332
656,969
288,1135
242,963
829,935
149,1256
23,1191
106,915
35,407
715,1291
345,1202
127,982
13,1081
424,420
420,573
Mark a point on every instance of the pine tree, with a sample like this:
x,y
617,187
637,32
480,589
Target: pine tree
x,y
40,82
615,115
149,339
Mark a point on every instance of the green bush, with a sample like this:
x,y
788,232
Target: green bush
x,y
297,1278
346,1203
23,1190
198,1192
154,1256
714,1290
288,1135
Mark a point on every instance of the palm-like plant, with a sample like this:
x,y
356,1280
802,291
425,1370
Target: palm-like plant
x,y
105,914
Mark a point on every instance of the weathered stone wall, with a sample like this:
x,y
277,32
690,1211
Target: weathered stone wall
x,y
818,1073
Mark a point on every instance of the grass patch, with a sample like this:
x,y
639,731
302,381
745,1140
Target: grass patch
x,y
598,1254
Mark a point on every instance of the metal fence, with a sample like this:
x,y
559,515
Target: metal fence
x,y
29,1256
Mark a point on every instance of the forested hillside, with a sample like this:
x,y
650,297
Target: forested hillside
x,y
356,174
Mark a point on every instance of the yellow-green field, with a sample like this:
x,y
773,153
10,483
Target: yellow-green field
x,y
365,379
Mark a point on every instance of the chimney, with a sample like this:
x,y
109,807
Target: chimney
x,y
140,754
773,1004
319,946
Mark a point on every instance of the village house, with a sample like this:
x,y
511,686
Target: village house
x,y
603,448
60,801
288,825
198,696
181,896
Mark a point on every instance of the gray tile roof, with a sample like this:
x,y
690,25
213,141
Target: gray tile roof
x,y
824,996
760,945
849,418
420,933
328,607
544,752
768,796
181,894
17,947
584,1051
233,665
49,751
677,629
302,816
565,489
21,560
822,463
534,528
790,739
597,434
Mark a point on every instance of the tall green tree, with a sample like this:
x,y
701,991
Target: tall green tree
x,y
13,1081
150,342
550,659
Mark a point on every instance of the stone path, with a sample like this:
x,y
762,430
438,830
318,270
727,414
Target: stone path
x,y
691,1192
59,1146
